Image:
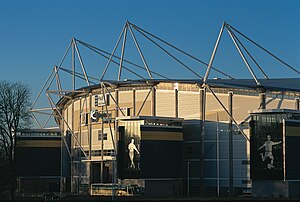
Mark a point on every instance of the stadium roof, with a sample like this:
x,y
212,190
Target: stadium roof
x,y
282,84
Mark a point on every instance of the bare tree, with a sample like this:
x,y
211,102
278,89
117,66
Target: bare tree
x,y
14,115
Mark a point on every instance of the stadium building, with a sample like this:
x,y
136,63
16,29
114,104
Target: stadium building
x,y
172,137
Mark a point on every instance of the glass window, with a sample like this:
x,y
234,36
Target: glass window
x,y
102,136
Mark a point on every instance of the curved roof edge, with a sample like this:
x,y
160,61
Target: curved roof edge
x,y
279,84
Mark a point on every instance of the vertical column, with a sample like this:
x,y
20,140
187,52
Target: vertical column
x,y
202,104
133,102
176,103
72,148
230,145
117,101
102,146
79,137
90,140
73,65
114,174
202,134
153,101
297,103
262,100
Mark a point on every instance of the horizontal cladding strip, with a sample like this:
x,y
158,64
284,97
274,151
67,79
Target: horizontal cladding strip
x,y
39,177
292,123
26,138
171,136
160,128
163,179
39,143
293,131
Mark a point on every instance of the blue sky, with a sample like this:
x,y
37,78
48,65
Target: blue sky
x,y
35,34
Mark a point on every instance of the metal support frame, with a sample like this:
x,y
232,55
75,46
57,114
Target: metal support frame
x,y
72,145
62,135
181,51
51,76
172,56
262,100
112,54
112,97
297,103
227,112
213,54
244,58
176,103
81,63
230,141
42,89
80,75
36,121
264,49
113,140
105,53
142,106
48,119
140,52
69,128
248,53
79,165
106,108
203,88
122,53
58,83
153,101
218,156
102,148
73,65
133,102
202,136
117,102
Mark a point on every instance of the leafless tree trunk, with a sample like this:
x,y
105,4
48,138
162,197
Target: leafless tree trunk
x,y
14,115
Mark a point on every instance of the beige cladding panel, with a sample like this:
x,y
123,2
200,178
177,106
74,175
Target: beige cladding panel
x,y
84,138
165,103
146,111
242,104
189,105
288,104
125,96
77,121
65,115
70,115
280,103
140,97
213,107
76,114
77,104
96,144
125,100
93,99
272,103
